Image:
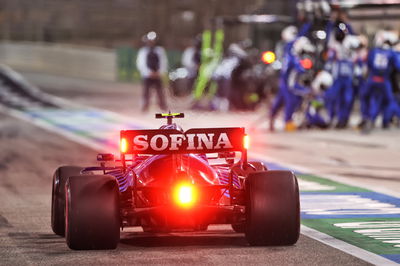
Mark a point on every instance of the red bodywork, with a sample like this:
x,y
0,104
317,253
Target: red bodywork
x,y
160,161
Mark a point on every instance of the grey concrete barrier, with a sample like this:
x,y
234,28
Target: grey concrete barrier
x,y
60,59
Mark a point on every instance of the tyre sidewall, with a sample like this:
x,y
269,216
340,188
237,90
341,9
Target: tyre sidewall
x,y
272,209
92,212
58,197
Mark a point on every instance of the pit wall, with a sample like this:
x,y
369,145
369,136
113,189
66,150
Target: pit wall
x,y
61,59
77,61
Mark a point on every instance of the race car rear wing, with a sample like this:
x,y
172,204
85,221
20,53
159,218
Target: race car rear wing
x,y
195,140
171,141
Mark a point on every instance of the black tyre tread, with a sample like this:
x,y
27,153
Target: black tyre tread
x,y
58,197
273,208
92,212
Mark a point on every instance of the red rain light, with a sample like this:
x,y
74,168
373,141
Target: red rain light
x,y
185,195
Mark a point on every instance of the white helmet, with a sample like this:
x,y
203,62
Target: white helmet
x,y
150,36
303,44
385,39
308,6
325,8
392,37
289,33
300,6
323,80
351,42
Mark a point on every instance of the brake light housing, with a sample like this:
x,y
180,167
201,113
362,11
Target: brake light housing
x,y
246,142
123,145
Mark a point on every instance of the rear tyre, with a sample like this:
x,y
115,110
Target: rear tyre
x,y
272,208
92,212
58,197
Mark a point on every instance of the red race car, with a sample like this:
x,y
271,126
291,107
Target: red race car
x,y
169,180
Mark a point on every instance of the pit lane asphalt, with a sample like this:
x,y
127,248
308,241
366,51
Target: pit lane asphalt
x,y
347,154
28,158
30,155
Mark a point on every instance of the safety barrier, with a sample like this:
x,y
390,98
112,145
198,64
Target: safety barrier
x,y
77,61
60,59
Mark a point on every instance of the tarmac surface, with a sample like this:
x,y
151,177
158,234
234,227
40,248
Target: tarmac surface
x,y
30,155
28,158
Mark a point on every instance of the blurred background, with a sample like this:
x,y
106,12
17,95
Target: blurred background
x,y
114,23
100,40
109,23
120,24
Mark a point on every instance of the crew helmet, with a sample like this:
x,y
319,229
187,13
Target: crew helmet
x,y
322,81
385,39
289,33
151,36
303,45
351,42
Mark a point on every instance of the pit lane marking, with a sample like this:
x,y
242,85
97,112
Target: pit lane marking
x,y
384,231
306,185
354,205
346,247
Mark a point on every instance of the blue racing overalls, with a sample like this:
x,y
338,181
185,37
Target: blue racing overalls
x,y
377,94
279,101
295,90
339,97
287,65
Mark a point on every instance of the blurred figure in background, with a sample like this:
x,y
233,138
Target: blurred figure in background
x,y
284,53
191,59
299,79
316,115
223,76
377,96
211,54
339,98
283,47
396,83
152,64
239,63
337,23
360,75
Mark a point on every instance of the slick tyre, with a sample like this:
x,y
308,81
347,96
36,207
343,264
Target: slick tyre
x,y
272,208
92,218
58,197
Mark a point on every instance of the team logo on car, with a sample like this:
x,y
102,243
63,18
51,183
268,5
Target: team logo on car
x,y
174,141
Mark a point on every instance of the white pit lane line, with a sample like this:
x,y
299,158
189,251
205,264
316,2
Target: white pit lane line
x,y
321,237
346,247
